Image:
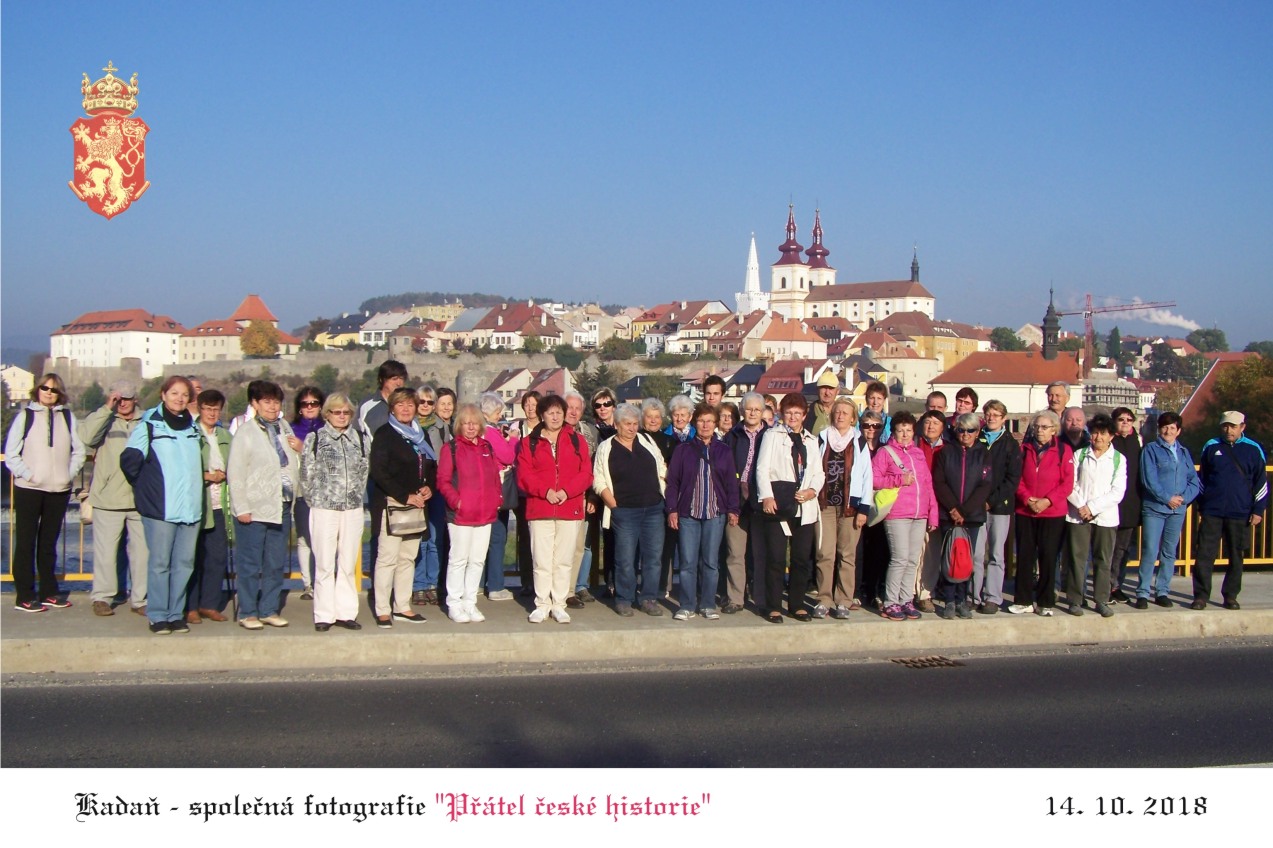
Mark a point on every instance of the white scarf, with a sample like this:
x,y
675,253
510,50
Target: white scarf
x,y
838,441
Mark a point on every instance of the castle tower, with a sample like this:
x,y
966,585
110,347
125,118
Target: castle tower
x,y
751,297
789,279
1051,330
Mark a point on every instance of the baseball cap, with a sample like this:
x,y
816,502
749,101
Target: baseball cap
x,y
828,378
1233,418
125,388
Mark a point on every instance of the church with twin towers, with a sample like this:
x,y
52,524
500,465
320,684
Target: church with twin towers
x,y
802,284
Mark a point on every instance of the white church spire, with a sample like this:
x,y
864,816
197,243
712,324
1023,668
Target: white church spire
x,y
751,297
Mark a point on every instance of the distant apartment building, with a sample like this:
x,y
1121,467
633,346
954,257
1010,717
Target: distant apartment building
x,y
103,339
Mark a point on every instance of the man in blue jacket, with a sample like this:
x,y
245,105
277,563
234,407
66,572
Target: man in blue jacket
x,y
1235,493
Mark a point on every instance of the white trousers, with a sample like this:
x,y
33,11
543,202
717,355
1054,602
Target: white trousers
x,y
465,568
395,571
552,550
337,539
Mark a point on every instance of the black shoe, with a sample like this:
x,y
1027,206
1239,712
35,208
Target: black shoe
x,y
348,624
1164,602
988,609
1074,609
413,617
574,603
963,611
1118,597
1198,604
55,602
322,626
1105,610
1232,604
159,628
178,626
1140,603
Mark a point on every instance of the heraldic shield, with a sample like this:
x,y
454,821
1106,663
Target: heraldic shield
x,y
110,147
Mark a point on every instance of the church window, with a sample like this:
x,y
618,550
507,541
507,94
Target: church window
x,y
784,282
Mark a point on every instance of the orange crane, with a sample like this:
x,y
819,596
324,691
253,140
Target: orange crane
x,y
1088,311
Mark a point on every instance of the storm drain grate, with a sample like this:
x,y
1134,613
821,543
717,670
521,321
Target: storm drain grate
x,y
927,662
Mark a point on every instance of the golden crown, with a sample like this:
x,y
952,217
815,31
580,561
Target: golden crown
x,y
109,95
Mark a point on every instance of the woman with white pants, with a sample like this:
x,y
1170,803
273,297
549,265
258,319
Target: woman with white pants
x,y
334,463
468,478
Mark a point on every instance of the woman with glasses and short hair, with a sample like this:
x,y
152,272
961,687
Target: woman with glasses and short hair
x,y
873,562
1005,472
424,584
962,482
1047,478
44,453
1127,443
334,464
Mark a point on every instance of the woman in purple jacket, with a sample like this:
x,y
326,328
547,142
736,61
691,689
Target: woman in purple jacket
x,y
702,494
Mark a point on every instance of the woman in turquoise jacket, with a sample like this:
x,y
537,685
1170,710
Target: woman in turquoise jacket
x,y
1170,484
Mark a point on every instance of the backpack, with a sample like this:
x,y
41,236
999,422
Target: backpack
x,y
956,556
30,422
1118,460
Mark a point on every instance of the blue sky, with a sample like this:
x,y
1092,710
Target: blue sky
x,y
322,153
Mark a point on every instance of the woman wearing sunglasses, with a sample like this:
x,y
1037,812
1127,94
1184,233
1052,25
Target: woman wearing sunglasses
x,y
44,453
306,419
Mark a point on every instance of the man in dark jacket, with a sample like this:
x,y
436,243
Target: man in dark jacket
x,y
1235,493
1126,442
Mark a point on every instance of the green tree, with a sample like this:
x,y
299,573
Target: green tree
x,y
1247,387
589,381
1114,345
1004,338
567,357
661,386
532,345
92,398
363,387
1264,348
1173,396
1208,341
1164,364
615,347
325,377
259,340
316,326
6,409
1195,367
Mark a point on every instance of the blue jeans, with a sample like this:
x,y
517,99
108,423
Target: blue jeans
x,y
633,525
1160,535
495,553
261,562
428,563
699,543
585,568
168,568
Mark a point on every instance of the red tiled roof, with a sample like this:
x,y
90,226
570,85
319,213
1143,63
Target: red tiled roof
x,y
862,291
253,309
227,327
790,330
120,321
1015,367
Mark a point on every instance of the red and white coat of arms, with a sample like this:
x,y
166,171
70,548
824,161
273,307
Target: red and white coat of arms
x,y
110,146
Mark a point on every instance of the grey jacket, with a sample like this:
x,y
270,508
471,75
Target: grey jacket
x,y
334,468
40,460
107,433
255,475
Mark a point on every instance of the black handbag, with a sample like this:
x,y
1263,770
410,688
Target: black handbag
x,y
784,491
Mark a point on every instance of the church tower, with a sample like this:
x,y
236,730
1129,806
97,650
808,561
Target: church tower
x,y
789,279
1051,330
820,273
751,297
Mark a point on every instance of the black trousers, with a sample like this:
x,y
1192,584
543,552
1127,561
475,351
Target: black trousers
x,y
211,554
774,554
1234,531
37,524
1038,546
872,564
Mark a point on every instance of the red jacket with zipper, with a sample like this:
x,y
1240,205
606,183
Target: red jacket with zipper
x,y
538,470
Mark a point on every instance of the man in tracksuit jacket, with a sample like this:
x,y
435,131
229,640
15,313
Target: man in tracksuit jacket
x,y
1235,493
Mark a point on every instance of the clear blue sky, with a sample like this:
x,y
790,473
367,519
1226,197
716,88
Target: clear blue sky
x,y
322,153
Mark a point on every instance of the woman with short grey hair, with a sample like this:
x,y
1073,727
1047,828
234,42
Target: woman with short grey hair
x,y
680,409
504,445
627,412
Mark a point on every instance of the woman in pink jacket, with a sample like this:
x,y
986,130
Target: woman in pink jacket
x,y
468,478
1047,478
900,464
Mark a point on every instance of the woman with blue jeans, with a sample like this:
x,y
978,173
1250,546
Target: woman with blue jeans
x,y
702,494
164,462
1170,484
264,477
629,475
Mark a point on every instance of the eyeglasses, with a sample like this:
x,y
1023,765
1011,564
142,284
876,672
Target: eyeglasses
x,y
341,412
603,404
424,402
1044,427
309,404
967,429
1126,420
870,426
49,389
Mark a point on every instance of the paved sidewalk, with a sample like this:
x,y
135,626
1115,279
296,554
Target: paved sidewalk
x,y
74,641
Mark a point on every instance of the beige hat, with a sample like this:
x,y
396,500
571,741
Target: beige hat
x,y
125,388
829,379
1233,418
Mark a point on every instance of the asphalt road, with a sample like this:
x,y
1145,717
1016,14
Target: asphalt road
x,y
1165,707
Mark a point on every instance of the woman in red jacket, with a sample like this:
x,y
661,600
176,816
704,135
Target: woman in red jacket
x,y
554,470
1047,476
468,478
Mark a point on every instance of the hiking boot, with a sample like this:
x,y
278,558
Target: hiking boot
x,y
1105,610
948,611
652,608
1198,604
926,605
102,608
963,611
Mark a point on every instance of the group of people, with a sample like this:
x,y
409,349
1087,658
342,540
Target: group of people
x,y
805,511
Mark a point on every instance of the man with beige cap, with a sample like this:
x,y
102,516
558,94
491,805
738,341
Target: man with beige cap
x,y
1235,493
818,418
106,432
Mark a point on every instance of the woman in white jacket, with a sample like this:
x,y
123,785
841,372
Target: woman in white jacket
x,y
788,455
1100,481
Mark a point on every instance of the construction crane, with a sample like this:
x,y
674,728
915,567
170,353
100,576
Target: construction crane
x,y
1088,311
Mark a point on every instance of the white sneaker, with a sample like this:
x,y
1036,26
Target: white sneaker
x,y
460,615
1020,609
710,614
501,595
475,615
538,615
683,615
561,616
